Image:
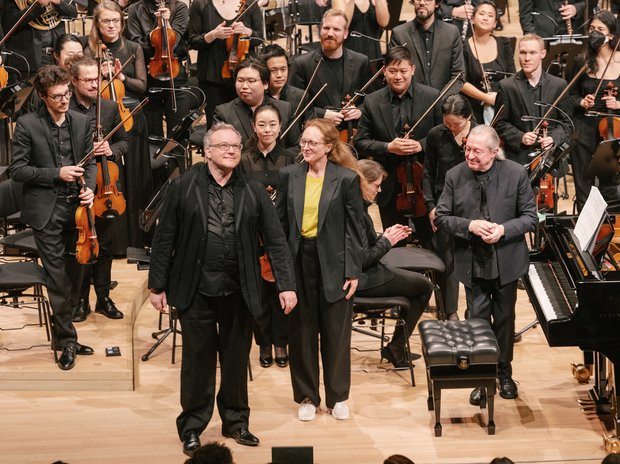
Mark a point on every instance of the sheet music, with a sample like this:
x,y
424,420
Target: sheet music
x,y
590,220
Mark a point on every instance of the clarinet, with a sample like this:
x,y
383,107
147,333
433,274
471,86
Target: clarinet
x,y
465,23
569,23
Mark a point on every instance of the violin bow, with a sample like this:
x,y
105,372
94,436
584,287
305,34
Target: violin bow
x,y
294,121
613,52
240,15
19,21
129,60
303,97
363,89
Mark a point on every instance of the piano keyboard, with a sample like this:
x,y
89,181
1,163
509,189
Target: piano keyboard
x,y
557,300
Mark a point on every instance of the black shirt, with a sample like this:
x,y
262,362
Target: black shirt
x,y
484,255
265,168
61,140
427,36
402,108
220,269
335,70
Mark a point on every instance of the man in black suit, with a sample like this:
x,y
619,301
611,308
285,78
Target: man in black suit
x,y
204,263
344,71
487,204
251,81
84,79
381,128
520,95
435,46
47,145
547,18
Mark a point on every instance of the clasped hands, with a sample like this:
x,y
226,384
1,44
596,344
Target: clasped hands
x,y
403,147
489,232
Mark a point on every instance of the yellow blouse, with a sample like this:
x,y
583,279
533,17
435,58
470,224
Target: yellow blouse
x,y
310,220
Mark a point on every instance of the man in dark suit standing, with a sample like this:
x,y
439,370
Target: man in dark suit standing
x,y
344,71
84,79
529,93
386,115
487,204
251,81
547,18
204,262
47,145
435,46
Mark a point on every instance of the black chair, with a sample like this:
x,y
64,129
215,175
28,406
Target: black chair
x,y
382,313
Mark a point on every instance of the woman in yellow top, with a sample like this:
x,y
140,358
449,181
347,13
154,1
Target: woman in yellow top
x,y
320,206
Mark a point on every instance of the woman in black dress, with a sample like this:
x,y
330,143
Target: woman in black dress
x,y
368,17
262,160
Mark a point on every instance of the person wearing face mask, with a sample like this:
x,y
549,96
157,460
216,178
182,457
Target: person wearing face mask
x,y
602,30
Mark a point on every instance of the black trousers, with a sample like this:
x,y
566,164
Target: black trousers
x,y
416,287
314,317
276,326
61,270
212,326
487,299
443,246
101,270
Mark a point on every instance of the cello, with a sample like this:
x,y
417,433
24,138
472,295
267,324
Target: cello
x,y
164,66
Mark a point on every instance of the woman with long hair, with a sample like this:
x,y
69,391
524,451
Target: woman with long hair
x,y
262,160
320,206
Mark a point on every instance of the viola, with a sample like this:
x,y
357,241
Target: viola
x,y
609,126
236,47
87,245
164,66
410,199
114,90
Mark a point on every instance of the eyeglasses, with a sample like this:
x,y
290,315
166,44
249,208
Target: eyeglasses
x,y
310,143
107,22
228,146
419,2
250,81
58,97
94,80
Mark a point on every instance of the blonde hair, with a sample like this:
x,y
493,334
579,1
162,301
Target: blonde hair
x,y
334,13
95,36
533,37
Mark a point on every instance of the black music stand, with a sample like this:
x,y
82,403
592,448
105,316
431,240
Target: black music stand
x,y
12,97
560,59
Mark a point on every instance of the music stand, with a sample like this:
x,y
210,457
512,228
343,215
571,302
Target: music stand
x,y
560,58
12,97
604,163
274,23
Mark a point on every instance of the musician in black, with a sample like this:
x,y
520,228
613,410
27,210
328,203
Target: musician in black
x,y
210,29
33,41
84,76
547,18
436,47
387,115
142,18
529,93
345,71
487,205
47,145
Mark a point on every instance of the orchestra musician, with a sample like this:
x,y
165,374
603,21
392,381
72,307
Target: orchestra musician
x,y
483,52
32,43
262,160
108,27
435,46
548,18
380,131
251,81
344,71
369,17
487,205
209,30
603,38
320,206
204,262
84,73
520,94
444,150
457,12
47,145
174,104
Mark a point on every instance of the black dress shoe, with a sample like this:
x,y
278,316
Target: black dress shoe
x,y
108,309
67,358
508,388
81,311
83,350
398,363
243,437
281,356
191,443
265,358
475,397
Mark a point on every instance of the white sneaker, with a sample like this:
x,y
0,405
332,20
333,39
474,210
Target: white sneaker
x,y
340,411
306,411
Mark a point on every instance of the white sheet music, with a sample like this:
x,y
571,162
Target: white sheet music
x,y
590,220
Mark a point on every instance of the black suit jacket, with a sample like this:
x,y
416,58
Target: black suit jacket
x,y
510,202
180,240
516,97
35,162
374,272
340,239
237,113
446,57
376,128
355,76
548,22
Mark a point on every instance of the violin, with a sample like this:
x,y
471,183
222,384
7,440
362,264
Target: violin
x,y
114,90
4,77
236,48
609,126
87,245
164,66
409,174
347,134
546,187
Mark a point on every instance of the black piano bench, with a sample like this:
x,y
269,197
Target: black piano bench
x,y
459,354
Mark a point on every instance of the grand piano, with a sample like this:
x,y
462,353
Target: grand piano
x,y
577,302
